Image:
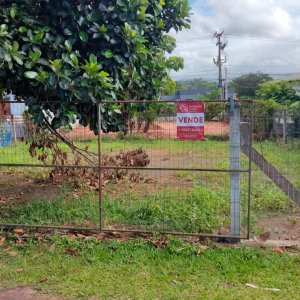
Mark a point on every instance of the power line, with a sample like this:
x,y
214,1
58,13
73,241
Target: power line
x,y
287,39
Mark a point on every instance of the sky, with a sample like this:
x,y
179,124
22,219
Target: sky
x,y
262,35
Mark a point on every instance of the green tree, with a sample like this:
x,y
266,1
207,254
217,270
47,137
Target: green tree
x,y
246,85
170,87
63,56
194,84
280,91
279,94
212,110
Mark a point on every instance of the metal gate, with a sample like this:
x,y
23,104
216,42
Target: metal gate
x,y
141,180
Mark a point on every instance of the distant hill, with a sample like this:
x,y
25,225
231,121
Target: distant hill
x,y
195,84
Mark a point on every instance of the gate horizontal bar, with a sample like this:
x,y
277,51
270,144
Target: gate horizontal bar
x,y
97,230
137,101
124,168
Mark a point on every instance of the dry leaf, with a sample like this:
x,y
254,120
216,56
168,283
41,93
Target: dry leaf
x,y
278,250
176,282
202,248
19,270
264,236
10,252
70,251
116,234
37,255
42,279
18,231
2,241
52,247
81,236
101,236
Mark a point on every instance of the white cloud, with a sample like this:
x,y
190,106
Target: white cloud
x,y
262,36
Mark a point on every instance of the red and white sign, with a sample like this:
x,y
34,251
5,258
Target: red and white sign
x,y
190,120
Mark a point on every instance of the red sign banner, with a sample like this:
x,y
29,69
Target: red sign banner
x,y
190,120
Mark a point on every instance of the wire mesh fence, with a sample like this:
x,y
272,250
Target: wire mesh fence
x,y
141,178
276,159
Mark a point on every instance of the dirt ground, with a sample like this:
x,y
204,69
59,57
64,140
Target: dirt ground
x,y
159,129
25,293
281,226
18,187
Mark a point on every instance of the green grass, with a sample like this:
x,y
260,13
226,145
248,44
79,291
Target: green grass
x,y
18,152
137,270
286,157
62,210
199,210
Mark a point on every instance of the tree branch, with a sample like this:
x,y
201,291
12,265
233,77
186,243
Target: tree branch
x,y
82,152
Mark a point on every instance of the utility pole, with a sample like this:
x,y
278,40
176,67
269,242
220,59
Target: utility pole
x,y
220,61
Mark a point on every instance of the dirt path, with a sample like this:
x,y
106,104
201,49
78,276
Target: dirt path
x,y
25,293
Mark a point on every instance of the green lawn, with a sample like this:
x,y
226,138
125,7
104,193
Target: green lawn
x,y
286,157
18,152
138,270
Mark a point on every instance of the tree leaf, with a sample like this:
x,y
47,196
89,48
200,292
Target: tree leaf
x,y
104,74
13,12
74,59
22,29
69,44
36,55
31,74
83,36
18,59
108,54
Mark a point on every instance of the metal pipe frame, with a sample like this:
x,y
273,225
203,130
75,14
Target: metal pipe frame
x,y
100,168
138,101
124,168
97,230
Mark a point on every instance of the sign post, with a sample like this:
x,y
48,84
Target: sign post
x,y
190,120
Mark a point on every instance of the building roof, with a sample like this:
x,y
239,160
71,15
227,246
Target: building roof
x,y
188,94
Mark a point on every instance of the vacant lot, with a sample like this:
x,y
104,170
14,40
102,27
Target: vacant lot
x,y
188,201
78,266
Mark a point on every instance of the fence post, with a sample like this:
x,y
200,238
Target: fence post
x,y
284,127
99,115
235,205
13,128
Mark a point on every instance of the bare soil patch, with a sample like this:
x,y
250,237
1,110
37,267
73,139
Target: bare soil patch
x,y
25,293
17,187
159,129
281,226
